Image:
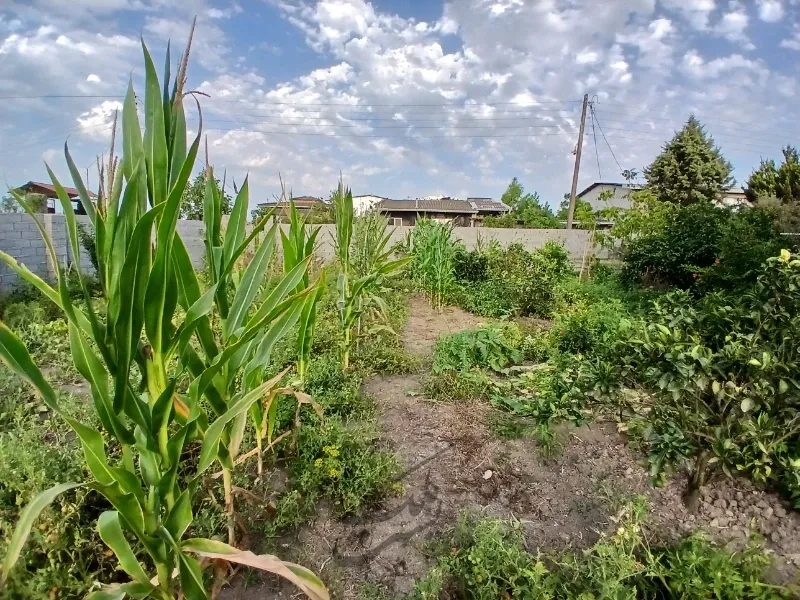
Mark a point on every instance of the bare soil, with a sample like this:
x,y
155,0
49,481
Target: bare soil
x,y
454,463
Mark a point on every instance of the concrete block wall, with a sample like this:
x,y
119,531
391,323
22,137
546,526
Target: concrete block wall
x,y
20,238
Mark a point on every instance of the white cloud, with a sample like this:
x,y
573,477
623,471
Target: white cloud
x,y
793,42
733,25
92,78
770,10
96,123
696,12
587,57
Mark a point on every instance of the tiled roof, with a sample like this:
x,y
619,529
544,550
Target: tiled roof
x,y
488,204
299,201
443,205
71,192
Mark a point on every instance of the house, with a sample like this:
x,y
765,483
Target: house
x,y
365,203
303,204
618,194
49,191
462,213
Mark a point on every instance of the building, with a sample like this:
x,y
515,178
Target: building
x,y
49,191
363,204
618,194
462,213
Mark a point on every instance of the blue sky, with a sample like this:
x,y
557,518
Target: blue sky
x,y
411,98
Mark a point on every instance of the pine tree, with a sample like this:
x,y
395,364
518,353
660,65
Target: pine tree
x,y
690,168
762,182
787,185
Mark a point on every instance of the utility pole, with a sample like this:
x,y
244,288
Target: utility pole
x,y
578,149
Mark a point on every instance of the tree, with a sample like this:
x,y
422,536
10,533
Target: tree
x,y
690,168
787,184
525,208
38,202
193,195
584,216
762,182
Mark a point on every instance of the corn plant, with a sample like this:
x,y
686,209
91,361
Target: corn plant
x,y
298,246
358,294
434,250
146,273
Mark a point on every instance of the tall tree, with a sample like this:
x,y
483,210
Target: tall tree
x,y
787,185
763,182
690,168
9,204
192,199
525,208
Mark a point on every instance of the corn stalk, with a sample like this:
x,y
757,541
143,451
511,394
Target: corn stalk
x,y
358,295
145,270
298,246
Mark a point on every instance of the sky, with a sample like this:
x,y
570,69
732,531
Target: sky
x,y
409,98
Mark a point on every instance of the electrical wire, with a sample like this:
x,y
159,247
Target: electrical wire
x,y
594,135
609,145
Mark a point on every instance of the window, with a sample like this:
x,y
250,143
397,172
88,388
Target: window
x,y
397,221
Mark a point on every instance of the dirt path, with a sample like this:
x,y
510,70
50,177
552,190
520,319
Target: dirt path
x,y
454,463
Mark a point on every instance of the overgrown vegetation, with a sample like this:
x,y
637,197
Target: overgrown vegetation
x,y
487,559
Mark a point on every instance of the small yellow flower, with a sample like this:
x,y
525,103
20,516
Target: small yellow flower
x,y
318,463
786,255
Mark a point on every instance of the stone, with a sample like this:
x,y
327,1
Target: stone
x,y
721,503
714,522
488,474
767,512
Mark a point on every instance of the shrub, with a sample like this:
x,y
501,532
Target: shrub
x,y
470,266
342,464
589,327
457,386
493,345
717,248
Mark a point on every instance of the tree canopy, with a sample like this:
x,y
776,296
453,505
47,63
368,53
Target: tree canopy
x,y
525,208
192,200
690,168
9,204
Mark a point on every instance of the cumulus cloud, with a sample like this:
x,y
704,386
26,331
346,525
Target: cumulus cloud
x,y
733,25
770,10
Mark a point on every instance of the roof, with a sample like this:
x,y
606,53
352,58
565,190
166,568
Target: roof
x,y
632,186
444,205
49,189
299,201
488,205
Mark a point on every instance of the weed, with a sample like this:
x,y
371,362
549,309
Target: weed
x,y
494,345
507,426
456,386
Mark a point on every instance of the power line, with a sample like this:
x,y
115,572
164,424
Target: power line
x,y
607,144
594,135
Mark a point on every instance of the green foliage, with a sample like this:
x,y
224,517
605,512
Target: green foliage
x,y
722,372
37,202
433,259
193,198
584,216
589,326
87,242
690,168
36,450
457,386
763,181
361,303
691,242
486,559
494,345
145,347
769,181
342,464
527,210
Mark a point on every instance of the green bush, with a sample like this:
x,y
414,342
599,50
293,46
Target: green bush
x,y
470,266
589,327
456,386
719,248
342,464
494,345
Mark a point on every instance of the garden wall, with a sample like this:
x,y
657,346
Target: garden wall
x,y
20,238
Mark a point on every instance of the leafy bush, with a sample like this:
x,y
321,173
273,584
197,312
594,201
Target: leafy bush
x,y
723,373
342,464
701,244
457,386
470,265
588,327
494,345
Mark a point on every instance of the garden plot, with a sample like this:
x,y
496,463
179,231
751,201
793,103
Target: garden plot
x,y
453,462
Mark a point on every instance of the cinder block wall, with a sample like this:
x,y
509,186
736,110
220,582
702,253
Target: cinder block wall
x,y
20,238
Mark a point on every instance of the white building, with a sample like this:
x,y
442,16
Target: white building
x,y
620,196
363,204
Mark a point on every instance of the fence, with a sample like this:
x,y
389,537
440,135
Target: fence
x,y
20,238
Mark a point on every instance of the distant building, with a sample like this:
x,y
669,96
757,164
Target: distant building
x,y
462,213
304,204
362,204
48,190
621,196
